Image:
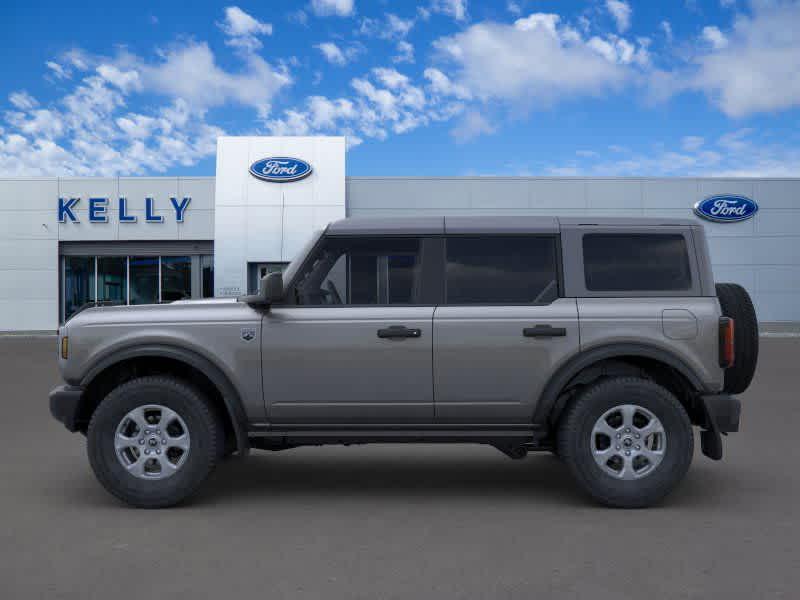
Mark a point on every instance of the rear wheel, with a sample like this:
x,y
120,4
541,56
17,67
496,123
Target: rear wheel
x,y
627,441
152,441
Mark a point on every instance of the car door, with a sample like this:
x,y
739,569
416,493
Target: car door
x,y
352,343
502,328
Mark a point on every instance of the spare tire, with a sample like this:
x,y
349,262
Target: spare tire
x,y
736,304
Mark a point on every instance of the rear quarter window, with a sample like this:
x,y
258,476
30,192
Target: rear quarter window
x,y
636,262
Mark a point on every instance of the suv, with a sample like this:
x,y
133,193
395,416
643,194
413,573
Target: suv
x,y
600,340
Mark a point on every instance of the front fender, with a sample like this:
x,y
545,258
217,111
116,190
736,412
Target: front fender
x,y
231,395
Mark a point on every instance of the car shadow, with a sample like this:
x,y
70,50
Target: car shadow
x,y
309,475
400,476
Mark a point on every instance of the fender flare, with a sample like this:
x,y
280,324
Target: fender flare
x,y
576,364
230,395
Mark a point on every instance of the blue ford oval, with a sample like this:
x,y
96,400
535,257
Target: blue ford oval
x,y
726,209
280,169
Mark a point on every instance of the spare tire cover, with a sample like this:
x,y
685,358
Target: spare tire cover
x,y
736,304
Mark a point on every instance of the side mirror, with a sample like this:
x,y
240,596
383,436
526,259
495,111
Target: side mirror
x,y
270,291
272,288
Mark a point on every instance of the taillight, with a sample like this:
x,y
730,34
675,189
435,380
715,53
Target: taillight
x,y
726,344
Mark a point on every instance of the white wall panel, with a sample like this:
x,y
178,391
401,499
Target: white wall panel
x,y
273,220
27,194
557,194
197,225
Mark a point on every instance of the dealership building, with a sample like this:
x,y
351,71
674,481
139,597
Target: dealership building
x,y
136,240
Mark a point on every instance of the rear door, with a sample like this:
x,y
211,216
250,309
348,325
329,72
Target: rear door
x,y
501,329
354,343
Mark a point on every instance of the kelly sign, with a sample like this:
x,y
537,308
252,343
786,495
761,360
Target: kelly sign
x,y
98,210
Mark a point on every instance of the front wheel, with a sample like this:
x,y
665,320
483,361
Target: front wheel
x,y
152,441
627,441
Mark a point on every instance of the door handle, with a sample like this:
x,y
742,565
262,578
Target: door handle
x,y
544,331
399,332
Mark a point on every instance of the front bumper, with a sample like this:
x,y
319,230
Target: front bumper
x,y
721,413
65,405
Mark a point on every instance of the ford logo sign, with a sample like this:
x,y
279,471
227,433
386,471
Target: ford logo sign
x,y
280,169
726,209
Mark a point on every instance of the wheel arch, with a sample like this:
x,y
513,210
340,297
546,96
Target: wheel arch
x,y
112,368
613,359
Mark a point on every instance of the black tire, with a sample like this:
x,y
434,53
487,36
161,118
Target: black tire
x,y
736,304
202,424
575,435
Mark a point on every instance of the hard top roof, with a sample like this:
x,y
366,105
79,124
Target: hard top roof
x,y
433,225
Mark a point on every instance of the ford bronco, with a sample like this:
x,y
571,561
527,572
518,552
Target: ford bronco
x,y
600,340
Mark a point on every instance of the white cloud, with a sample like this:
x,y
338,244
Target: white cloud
x,y
385,101
336,55
58,70
398,27
666,27
537,60
514,8
405,52
390,27
190,72
727,3
22,100
441,84
473,124
339,8
715,37
735,154
619,50
692,143
127,80
243,29
453,8
90,130
298,16
758,70
621,11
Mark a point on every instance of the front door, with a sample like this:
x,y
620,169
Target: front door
x,y
352,344
501,330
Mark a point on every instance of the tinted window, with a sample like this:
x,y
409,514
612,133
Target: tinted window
x,y
501,270
630,262
361,271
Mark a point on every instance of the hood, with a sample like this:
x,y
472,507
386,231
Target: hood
x,y
180,310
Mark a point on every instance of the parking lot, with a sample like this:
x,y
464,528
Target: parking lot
x,y
398,521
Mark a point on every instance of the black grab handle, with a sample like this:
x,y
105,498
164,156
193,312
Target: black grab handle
x,y
399,331
544,331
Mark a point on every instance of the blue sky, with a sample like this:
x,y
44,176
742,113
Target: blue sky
x,y
435,87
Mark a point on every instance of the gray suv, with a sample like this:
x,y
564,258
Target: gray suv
x,y
600,340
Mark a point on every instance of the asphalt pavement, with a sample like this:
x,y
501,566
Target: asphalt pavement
x,y
404,521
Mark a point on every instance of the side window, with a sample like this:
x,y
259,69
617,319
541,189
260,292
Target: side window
x,y
359,271
501,270
636,262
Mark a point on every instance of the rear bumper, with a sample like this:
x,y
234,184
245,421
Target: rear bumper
x,y
65,405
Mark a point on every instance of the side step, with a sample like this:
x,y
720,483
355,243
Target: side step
x,y
502,436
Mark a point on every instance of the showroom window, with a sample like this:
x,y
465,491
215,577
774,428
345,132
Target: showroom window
x,y
120,280
79,282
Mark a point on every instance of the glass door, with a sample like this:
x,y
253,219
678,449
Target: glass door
x,y
144,279
112,280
